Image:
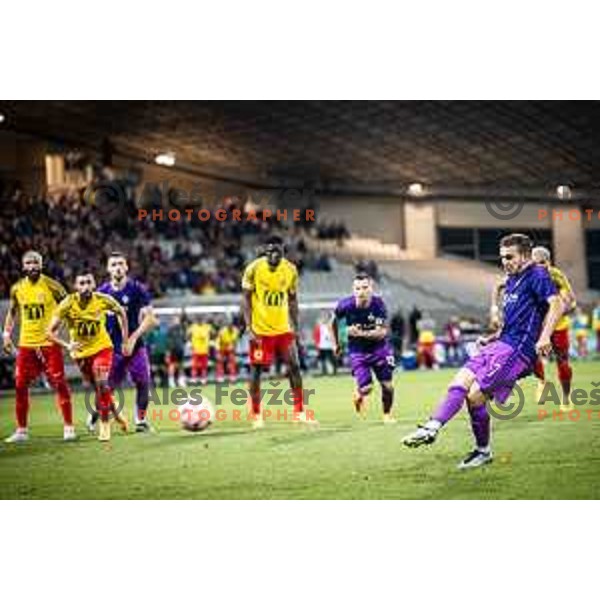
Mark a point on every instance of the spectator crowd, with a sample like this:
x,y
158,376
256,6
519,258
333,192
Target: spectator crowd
x,y
202,257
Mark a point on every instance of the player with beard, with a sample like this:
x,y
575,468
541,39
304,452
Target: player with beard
x,y
33,299
84,312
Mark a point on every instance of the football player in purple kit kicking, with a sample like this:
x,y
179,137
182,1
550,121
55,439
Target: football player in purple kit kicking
x,y
532,308
136,300
368,345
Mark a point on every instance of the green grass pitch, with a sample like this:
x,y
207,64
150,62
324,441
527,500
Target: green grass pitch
x,y
345,458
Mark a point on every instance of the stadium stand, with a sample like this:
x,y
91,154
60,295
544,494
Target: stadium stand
x,y
172,257
444,285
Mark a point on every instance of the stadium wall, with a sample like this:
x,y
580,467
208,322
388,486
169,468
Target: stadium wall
x,y
412,224
451,213
415,226
377,217
421,233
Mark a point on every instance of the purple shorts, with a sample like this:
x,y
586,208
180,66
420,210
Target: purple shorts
x,y
497,367
381,362
137,365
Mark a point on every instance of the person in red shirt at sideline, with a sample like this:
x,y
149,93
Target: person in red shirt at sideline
x,y
323,339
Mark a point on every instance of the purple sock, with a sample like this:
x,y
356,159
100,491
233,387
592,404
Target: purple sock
x,y
450,405
480,424
387,399
142,399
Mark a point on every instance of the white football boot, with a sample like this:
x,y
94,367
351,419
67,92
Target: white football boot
x,y
476,458
18,437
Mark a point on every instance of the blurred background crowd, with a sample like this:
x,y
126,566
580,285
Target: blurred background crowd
x,y
207,258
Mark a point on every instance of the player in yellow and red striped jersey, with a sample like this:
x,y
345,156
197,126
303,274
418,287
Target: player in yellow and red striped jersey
x,y
200,334
84,313
32,301
227,338
560,337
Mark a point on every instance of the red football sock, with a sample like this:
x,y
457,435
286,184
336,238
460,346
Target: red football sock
x,y
539,371
255,399
298,395
63,399
22,406
105,402
565,375
232,367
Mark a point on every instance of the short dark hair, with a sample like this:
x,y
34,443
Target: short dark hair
x,y
520,240
274,240
83,268
362,276
117,254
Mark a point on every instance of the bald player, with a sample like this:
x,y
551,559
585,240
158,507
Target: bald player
x,y
32,301
560,338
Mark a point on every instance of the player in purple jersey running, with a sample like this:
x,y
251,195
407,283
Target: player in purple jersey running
x,y
368,345
136,300
532,308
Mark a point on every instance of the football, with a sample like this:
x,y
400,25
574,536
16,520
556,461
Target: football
x,y
196,415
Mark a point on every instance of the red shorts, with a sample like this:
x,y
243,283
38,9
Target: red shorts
x,y
96,368
266,347
199,361
426,354
32,362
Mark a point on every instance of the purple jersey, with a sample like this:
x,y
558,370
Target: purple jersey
x,y
367,317
525,306
133,297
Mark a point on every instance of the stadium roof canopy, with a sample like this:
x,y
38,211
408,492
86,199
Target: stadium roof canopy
x,y
346,146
